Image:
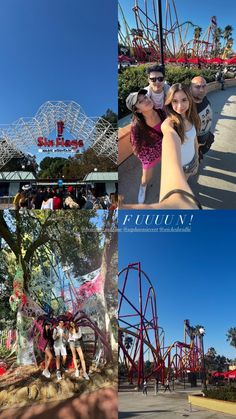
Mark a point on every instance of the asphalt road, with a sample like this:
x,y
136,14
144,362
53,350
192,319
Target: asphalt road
x,y
215,185
133,405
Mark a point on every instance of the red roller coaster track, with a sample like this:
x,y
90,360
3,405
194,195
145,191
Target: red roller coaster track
x,y
142,339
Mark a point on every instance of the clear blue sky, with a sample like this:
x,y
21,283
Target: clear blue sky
x,y
193,274
57,50
198,12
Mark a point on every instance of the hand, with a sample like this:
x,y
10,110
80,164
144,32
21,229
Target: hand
x,y
120,201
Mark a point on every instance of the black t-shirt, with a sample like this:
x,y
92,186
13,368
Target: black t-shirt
x,y
204,111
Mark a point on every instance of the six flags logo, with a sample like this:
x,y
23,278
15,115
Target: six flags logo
x,y
60,141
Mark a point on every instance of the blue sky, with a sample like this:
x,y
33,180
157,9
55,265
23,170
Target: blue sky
x,y
193,274
57,50
199,13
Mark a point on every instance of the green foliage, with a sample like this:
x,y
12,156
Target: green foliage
x,y
134,78
231,336
52,167
130,80
4,352
79,166
227,393
111,117
215,362
71,235
85,163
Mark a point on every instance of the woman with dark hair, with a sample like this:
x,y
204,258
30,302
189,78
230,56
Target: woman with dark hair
x,y
146,135
47,201
182,117
47,335
75,337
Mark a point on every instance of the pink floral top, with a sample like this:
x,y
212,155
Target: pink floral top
x,y
149,153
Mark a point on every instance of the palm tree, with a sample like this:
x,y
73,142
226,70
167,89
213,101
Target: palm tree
x,y
231,336
216,39
197,34
227,33
128,342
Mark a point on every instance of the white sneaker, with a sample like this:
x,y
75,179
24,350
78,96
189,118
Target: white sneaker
x,y
85,375
46,373
59,377
142,194
76,373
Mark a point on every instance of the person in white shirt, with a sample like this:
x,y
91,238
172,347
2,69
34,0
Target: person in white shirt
x,y
182,118
75,337
60,337
47,202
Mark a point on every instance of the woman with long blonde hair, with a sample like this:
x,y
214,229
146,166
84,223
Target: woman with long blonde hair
x,y
182,117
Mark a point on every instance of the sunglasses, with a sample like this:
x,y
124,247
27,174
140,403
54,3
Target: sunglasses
x,y
154,79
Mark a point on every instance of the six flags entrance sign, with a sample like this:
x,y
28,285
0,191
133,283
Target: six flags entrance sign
x,y
27,135
72,145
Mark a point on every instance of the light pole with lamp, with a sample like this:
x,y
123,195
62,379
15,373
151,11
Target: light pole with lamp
x,y
161,35
201,334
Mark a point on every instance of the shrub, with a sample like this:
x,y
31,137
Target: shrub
x,y
4,352
227,393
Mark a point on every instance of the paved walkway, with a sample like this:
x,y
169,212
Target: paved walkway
x,y
215,185
162,406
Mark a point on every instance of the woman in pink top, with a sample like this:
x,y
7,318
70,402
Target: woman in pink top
x,y
146,135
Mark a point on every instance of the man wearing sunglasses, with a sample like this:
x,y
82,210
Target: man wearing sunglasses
x,y
157,88
204,109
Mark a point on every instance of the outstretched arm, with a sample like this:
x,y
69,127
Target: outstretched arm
x,y
172,175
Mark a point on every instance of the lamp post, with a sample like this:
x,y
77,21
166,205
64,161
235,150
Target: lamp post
x,y
161,36
201,334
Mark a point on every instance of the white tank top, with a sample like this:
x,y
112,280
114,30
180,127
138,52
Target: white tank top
x,y
188,147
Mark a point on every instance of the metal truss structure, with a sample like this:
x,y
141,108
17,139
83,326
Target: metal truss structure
x,y
180,39
141,339
20,137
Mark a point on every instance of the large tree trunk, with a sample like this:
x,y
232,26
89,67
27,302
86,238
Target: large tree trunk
x,y
25,349
108,327
25,345
110,244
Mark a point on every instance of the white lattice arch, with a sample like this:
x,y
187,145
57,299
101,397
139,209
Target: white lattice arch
x,y
16,138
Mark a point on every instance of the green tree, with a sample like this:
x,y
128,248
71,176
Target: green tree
x,y
197,34
52,167
111,117
128,342
228,40
227,33
231,336
85,163
217,35
34,233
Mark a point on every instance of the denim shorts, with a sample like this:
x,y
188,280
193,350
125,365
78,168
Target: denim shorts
x,y
192,167
74,344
